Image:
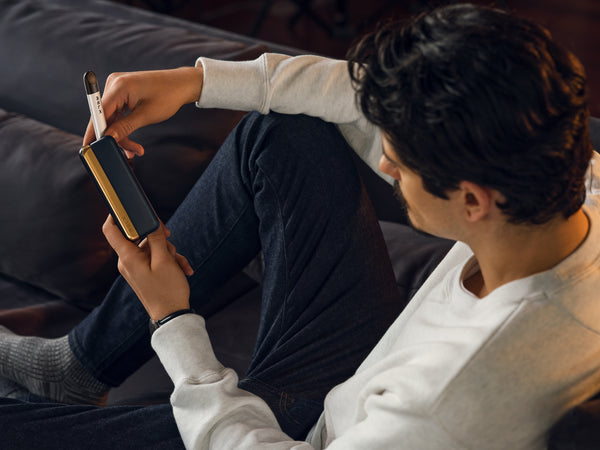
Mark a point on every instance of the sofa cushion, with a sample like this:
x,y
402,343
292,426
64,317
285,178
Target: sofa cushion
x,y
579,429
50,234
414,255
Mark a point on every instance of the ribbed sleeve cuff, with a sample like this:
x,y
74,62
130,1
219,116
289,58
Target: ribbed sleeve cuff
x,y
226,84
184,348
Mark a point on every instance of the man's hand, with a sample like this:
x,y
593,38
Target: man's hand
x,y
154,270
136,99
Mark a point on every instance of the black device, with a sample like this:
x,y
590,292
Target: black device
x,y
119,187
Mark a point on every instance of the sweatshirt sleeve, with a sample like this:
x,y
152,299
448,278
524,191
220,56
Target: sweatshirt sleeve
x,y
209,409
312,85
212,412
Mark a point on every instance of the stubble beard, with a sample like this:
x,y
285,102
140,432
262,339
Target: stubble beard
x,y
402,202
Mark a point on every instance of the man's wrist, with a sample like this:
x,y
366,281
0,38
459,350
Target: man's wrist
x,y
195,82
155,324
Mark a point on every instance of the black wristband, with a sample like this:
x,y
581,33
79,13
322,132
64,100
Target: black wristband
x,y
154,324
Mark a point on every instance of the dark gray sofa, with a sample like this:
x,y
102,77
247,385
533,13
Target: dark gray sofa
x,y
54,262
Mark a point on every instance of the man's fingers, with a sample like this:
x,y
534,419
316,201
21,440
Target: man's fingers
x,y
115,238
131,147
90,135
171,248
180,259
117,102
121,128
184,264
158,244
166,230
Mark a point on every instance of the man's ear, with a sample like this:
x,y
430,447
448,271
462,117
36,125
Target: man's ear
x,y
476,200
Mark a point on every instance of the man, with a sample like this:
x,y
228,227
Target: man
x,y
482,122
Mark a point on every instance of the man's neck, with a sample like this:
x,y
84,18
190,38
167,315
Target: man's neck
x,y
519,251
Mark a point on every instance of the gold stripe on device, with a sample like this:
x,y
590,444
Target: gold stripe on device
x,y
109,193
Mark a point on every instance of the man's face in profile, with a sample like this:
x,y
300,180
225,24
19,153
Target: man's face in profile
x,y
424,211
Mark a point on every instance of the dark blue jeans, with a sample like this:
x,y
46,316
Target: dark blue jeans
x,y
286,185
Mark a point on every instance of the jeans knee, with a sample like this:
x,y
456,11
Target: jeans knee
x,y
308,142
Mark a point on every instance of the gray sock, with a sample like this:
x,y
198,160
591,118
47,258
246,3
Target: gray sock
x,y
48,368
10,389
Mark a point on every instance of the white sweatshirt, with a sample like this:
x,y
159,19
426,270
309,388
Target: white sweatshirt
x,y
453,371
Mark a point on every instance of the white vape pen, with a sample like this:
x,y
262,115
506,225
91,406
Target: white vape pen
x,y
95,103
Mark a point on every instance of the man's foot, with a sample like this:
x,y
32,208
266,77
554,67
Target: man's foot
x,y
48,368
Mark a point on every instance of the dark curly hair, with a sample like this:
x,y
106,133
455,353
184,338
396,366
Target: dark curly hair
x,y
473,93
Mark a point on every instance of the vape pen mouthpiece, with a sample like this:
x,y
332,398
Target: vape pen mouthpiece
x,y
91,83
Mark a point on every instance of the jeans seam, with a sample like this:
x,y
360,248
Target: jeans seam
x,y
273,388
283,406
284,245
